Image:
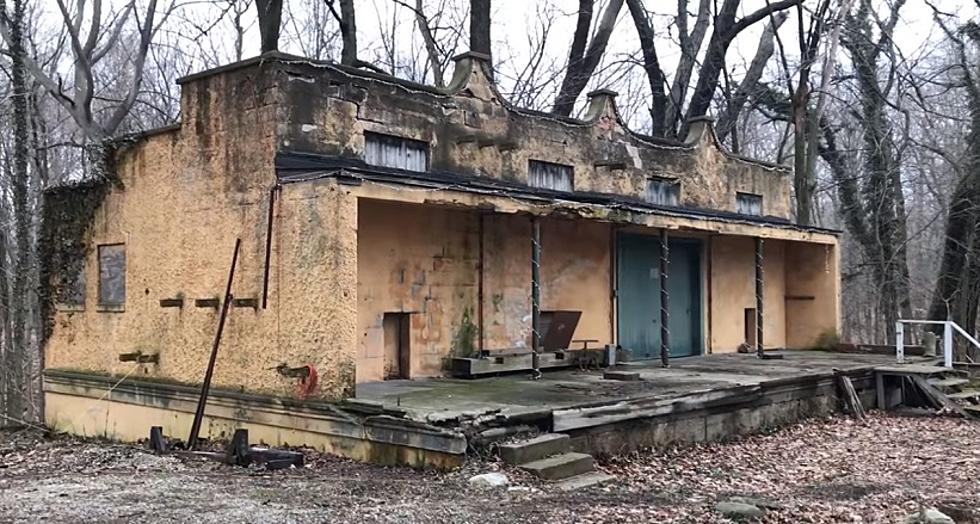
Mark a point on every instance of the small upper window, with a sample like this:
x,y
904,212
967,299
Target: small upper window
x,y
397,152
748,204
663,191
550,176
112,275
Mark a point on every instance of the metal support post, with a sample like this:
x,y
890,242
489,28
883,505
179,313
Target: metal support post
x,y
900,342
664,300
759,288
535,295
948,344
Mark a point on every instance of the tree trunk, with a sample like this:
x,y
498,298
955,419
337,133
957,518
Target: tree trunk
x,y
651,64
750,83
18,352
435,61
725,30
480,27
577,74
270,23
690,45
348,31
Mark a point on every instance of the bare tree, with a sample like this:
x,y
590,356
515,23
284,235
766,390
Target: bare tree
x,y
16,360
726,28
690,46
582,61
89,47
957,291
749,84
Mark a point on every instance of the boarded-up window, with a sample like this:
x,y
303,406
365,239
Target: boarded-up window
x,y
112,275
550,176
663,191
748,204
396,152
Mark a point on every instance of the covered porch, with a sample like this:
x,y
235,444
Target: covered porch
x,y
446,275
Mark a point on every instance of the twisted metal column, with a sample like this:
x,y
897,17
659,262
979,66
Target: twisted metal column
x,y
664,300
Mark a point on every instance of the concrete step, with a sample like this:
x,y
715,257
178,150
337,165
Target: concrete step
x,y
584,480
966,394
559,466
948,385
537,448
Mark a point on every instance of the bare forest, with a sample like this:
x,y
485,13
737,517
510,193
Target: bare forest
x,y
873,104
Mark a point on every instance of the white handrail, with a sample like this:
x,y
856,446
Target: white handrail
x,y
948,328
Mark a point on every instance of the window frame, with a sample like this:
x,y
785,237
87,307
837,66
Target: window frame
x,y
403,143
102,304
565,169
672,183
740,197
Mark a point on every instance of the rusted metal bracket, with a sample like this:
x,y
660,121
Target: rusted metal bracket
x,y
212,303
245,302
286,371
140,357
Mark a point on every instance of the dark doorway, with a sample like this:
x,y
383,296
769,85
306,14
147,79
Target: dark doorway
x,y
397,355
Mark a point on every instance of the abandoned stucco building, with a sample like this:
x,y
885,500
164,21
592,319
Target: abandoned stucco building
x,y
388,227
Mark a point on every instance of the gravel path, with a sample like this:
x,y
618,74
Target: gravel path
x,y
833,470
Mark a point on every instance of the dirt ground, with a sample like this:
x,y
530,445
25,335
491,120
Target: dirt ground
x,y
833,470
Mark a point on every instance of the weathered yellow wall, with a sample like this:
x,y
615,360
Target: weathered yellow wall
x,y
812,294
470,129
733,291
419,260
424,260
186,195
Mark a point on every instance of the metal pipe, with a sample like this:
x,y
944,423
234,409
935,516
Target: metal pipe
x,y
268,245
535,294
206,386
900,342
664,300
948,344
758,298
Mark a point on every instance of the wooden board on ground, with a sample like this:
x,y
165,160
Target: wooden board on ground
x,y
936,397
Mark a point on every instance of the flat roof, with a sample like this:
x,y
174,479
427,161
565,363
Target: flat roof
x,y
298,166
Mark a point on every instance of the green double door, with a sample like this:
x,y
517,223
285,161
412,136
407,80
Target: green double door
x,y
638,295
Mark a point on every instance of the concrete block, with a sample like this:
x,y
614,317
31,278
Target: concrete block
x,y
585,480
627,376
560,466
537,448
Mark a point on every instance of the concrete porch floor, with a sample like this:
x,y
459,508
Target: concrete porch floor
x,y
442,399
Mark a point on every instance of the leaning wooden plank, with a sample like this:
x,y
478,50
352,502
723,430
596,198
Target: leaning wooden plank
x,y
937,397
850,396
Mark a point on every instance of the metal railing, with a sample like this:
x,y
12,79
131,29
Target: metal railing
x,y
949,327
